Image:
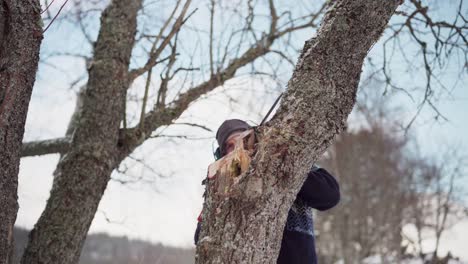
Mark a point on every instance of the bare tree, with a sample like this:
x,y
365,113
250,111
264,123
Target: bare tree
x,y
100,136
83,172
437,39
369,164
20,39
436,199
385,186
104,129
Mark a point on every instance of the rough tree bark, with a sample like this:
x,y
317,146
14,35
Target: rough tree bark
x,y
247,227
83,172
94,145
20,40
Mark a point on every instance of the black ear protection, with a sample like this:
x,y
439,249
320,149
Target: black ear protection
x,y
217,156
217,153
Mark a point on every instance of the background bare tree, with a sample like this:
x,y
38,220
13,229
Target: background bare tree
x,y
368,220
436,201
20,39
387,184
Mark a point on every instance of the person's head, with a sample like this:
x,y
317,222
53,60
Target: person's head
x,y
228,133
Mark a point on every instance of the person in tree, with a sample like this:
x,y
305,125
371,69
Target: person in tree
x,y
320,191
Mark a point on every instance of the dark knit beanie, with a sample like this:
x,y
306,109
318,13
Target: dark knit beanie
x,y
226,129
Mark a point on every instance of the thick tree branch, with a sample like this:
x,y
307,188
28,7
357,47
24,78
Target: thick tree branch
x,y
43,147
82,174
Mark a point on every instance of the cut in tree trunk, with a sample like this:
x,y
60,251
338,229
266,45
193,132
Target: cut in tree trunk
x,y
227,170
247,226
84,170
20,40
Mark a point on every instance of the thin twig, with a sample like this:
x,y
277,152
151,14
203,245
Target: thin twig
x,y
145,98
53,19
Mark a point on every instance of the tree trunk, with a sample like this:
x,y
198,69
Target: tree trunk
x,y
20,40
84,171
247,227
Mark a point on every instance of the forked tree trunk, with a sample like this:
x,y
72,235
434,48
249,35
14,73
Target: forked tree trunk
x,y
20,40
247,227
83,172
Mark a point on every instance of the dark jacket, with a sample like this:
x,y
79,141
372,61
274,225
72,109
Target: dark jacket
x,y
320,191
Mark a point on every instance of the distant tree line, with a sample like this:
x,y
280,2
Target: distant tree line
x,y
107,249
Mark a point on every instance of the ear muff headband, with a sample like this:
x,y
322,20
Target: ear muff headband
x,y
217,153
